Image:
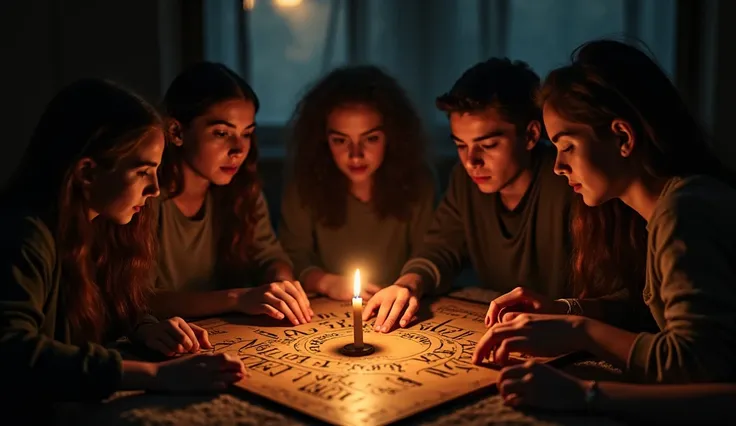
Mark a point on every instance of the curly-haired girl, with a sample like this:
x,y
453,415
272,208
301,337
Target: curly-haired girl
x,y
361,194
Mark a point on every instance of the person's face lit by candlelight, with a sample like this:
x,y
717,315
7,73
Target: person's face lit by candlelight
x,y
357,142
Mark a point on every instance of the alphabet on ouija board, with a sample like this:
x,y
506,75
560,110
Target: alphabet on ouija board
x,y
413,369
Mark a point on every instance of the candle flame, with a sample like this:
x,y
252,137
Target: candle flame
x,y
356,283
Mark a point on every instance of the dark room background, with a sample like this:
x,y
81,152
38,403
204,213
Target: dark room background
x,y
282,45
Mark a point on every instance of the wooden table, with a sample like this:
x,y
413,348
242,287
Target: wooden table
x,y
239,407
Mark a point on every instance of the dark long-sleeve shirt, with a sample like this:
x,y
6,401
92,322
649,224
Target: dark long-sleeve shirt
x,y
529,246
691,285
38,361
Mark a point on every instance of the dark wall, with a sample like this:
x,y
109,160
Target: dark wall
x,y
722,87
49,43
28,73
143,43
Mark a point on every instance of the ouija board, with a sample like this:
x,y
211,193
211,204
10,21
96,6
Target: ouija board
x,y
411,370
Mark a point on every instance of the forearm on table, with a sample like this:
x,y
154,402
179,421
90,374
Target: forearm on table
x,y
87,372
668,404
195,304
138,375
607,342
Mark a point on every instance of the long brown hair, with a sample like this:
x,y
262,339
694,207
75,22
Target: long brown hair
x,y
191,94
610,80
321,185
105,266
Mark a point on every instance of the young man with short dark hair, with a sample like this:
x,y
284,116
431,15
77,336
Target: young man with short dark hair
x,y
504,210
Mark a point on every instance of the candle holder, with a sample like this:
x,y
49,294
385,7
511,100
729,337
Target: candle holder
x,y
351,349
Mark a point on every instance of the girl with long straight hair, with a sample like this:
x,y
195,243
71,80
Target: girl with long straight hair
x,y
77,255
659,204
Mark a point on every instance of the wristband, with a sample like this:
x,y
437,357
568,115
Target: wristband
x,y
569,305
573,306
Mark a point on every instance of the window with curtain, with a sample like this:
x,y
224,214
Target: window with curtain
x,y
282,46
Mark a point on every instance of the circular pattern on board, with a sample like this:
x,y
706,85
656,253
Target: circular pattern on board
x,y
397,346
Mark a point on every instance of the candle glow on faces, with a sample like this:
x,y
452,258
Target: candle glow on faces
x,y
357,312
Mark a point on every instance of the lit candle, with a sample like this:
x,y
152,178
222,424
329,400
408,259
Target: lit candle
x,y
357,313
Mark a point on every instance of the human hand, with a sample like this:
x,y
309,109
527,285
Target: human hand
x,y
278,300
522,299
173,336
340,287
398,300
532,334
540,386
202,372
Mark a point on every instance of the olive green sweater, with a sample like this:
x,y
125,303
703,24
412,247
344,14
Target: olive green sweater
x,y
529,246
38,361
188,248
377,246
690,285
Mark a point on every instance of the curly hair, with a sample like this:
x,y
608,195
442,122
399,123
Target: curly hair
x,y
610,80
190,95
509,87
106,267
321,185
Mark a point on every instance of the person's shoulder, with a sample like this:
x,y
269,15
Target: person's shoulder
x,y
696,200
459,187
26,231
163,209
700,187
